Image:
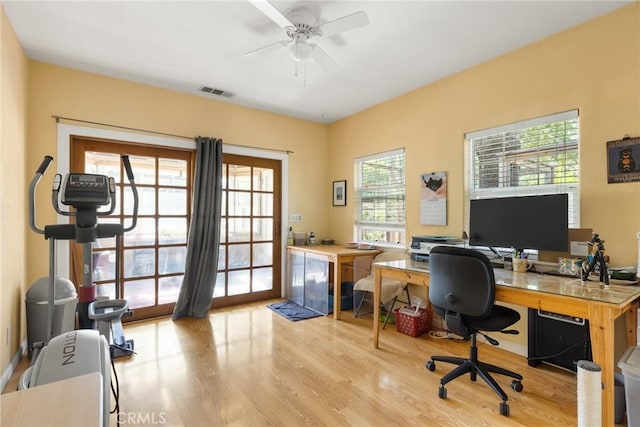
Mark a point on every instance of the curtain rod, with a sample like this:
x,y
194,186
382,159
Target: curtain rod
x,y
190,138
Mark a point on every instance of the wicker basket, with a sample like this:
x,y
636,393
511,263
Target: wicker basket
x,y
411,324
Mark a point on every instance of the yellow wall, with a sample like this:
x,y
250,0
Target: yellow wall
x,y
594,67
69,93
13,212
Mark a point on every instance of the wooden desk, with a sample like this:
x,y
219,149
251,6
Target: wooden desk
x,y
551,293
339,256
75,401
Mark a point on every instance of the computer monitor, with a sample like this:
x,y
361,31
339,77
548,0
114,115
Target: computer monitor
x,y
528,222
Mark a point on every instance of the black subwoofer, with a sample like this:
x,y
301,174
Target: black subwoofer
x,y
558,339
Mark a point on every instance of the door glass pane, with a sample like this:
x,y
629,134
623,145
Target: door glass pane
x,y
172,172
144,169
239,203
139,262
168,289
223,230
223,206
262,279
222,257
262,204
239,177
146,201
102,164
238,229
239,282
104,265
171,259
262,229
172,201
106,289
143,235
140,293
224,176
118,210
239,256
262,254
172,230
218,290
262,179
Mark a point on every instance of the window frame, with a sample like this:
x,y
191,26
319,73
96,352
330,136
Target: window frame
x,y
569,147
395,194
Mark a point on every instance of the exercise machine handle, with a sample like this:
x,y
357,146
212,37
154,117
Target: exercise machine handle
x,y
32,193
44,165
127,167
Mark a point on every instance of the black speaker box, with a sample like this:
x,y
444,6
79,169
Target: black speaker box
x,y
557,339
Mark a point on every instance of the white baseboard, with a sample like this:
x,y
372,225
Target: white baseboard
x,y
13,364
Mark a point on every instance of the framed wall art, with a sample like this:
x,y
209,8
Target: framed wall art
x,y
623,160
340,193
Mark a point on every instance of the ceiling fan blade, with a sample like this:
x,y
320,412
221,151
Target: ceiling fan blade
x,y
346,23
268,47
322,58
272,13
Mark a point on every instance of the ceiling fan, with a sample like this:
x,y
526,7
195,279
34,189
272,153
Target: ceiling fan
x,y
301,26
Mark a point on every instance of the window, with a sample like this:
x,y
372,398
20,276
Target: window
x,y
534,157
380,198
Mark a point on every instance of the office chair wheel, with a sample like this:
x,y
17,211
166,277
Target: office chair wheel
x,y
516,385
430,365
504,409
442,392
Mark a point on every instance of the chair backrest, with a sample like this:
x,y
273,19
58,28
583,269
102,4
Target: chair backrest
x,y
461,280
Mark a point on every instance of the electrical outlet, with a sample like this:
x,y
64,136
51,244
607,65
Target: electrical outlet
x,y
295,218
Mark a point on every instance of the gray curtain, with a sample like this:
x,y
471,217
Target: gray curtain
x,y
204,232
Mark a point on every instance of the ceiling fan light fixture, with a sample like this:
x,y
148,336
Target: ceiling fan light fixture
x,y
300,50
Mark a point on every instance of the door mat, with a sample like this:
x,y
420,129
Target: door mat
x,y
292,311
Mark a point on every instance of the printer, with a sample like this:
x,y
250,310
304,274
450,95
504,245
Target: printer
x,y
421,245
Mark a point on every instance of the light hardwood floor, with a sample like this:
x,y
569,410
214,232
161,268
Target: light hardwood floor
x,y
247,366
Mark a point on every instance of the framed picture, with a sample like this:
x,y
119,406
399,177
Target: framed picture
x,y
623,160
340,193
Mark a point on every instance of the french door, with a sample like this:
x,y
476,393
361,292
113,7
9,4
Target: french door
x,y
153,254
250,239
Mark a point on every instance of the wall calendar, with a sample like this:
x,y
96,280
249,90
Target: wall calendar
x,y
433,198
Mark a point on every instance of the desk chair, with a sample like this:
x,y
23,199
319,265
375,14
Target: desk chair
x,y
391,289
462,290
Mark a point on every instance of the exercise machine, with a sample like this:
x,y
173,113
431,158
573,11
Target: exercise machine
x,y
86,193
86,350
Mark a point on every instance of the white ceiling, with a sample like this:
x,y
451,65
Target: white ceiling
x,y
182,45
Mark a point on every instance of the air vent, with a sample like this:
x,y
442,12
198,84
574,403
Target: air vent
x,y
217,92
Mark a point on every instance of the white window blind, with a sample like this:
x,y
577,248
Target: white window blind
x,y
380,198
534,157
